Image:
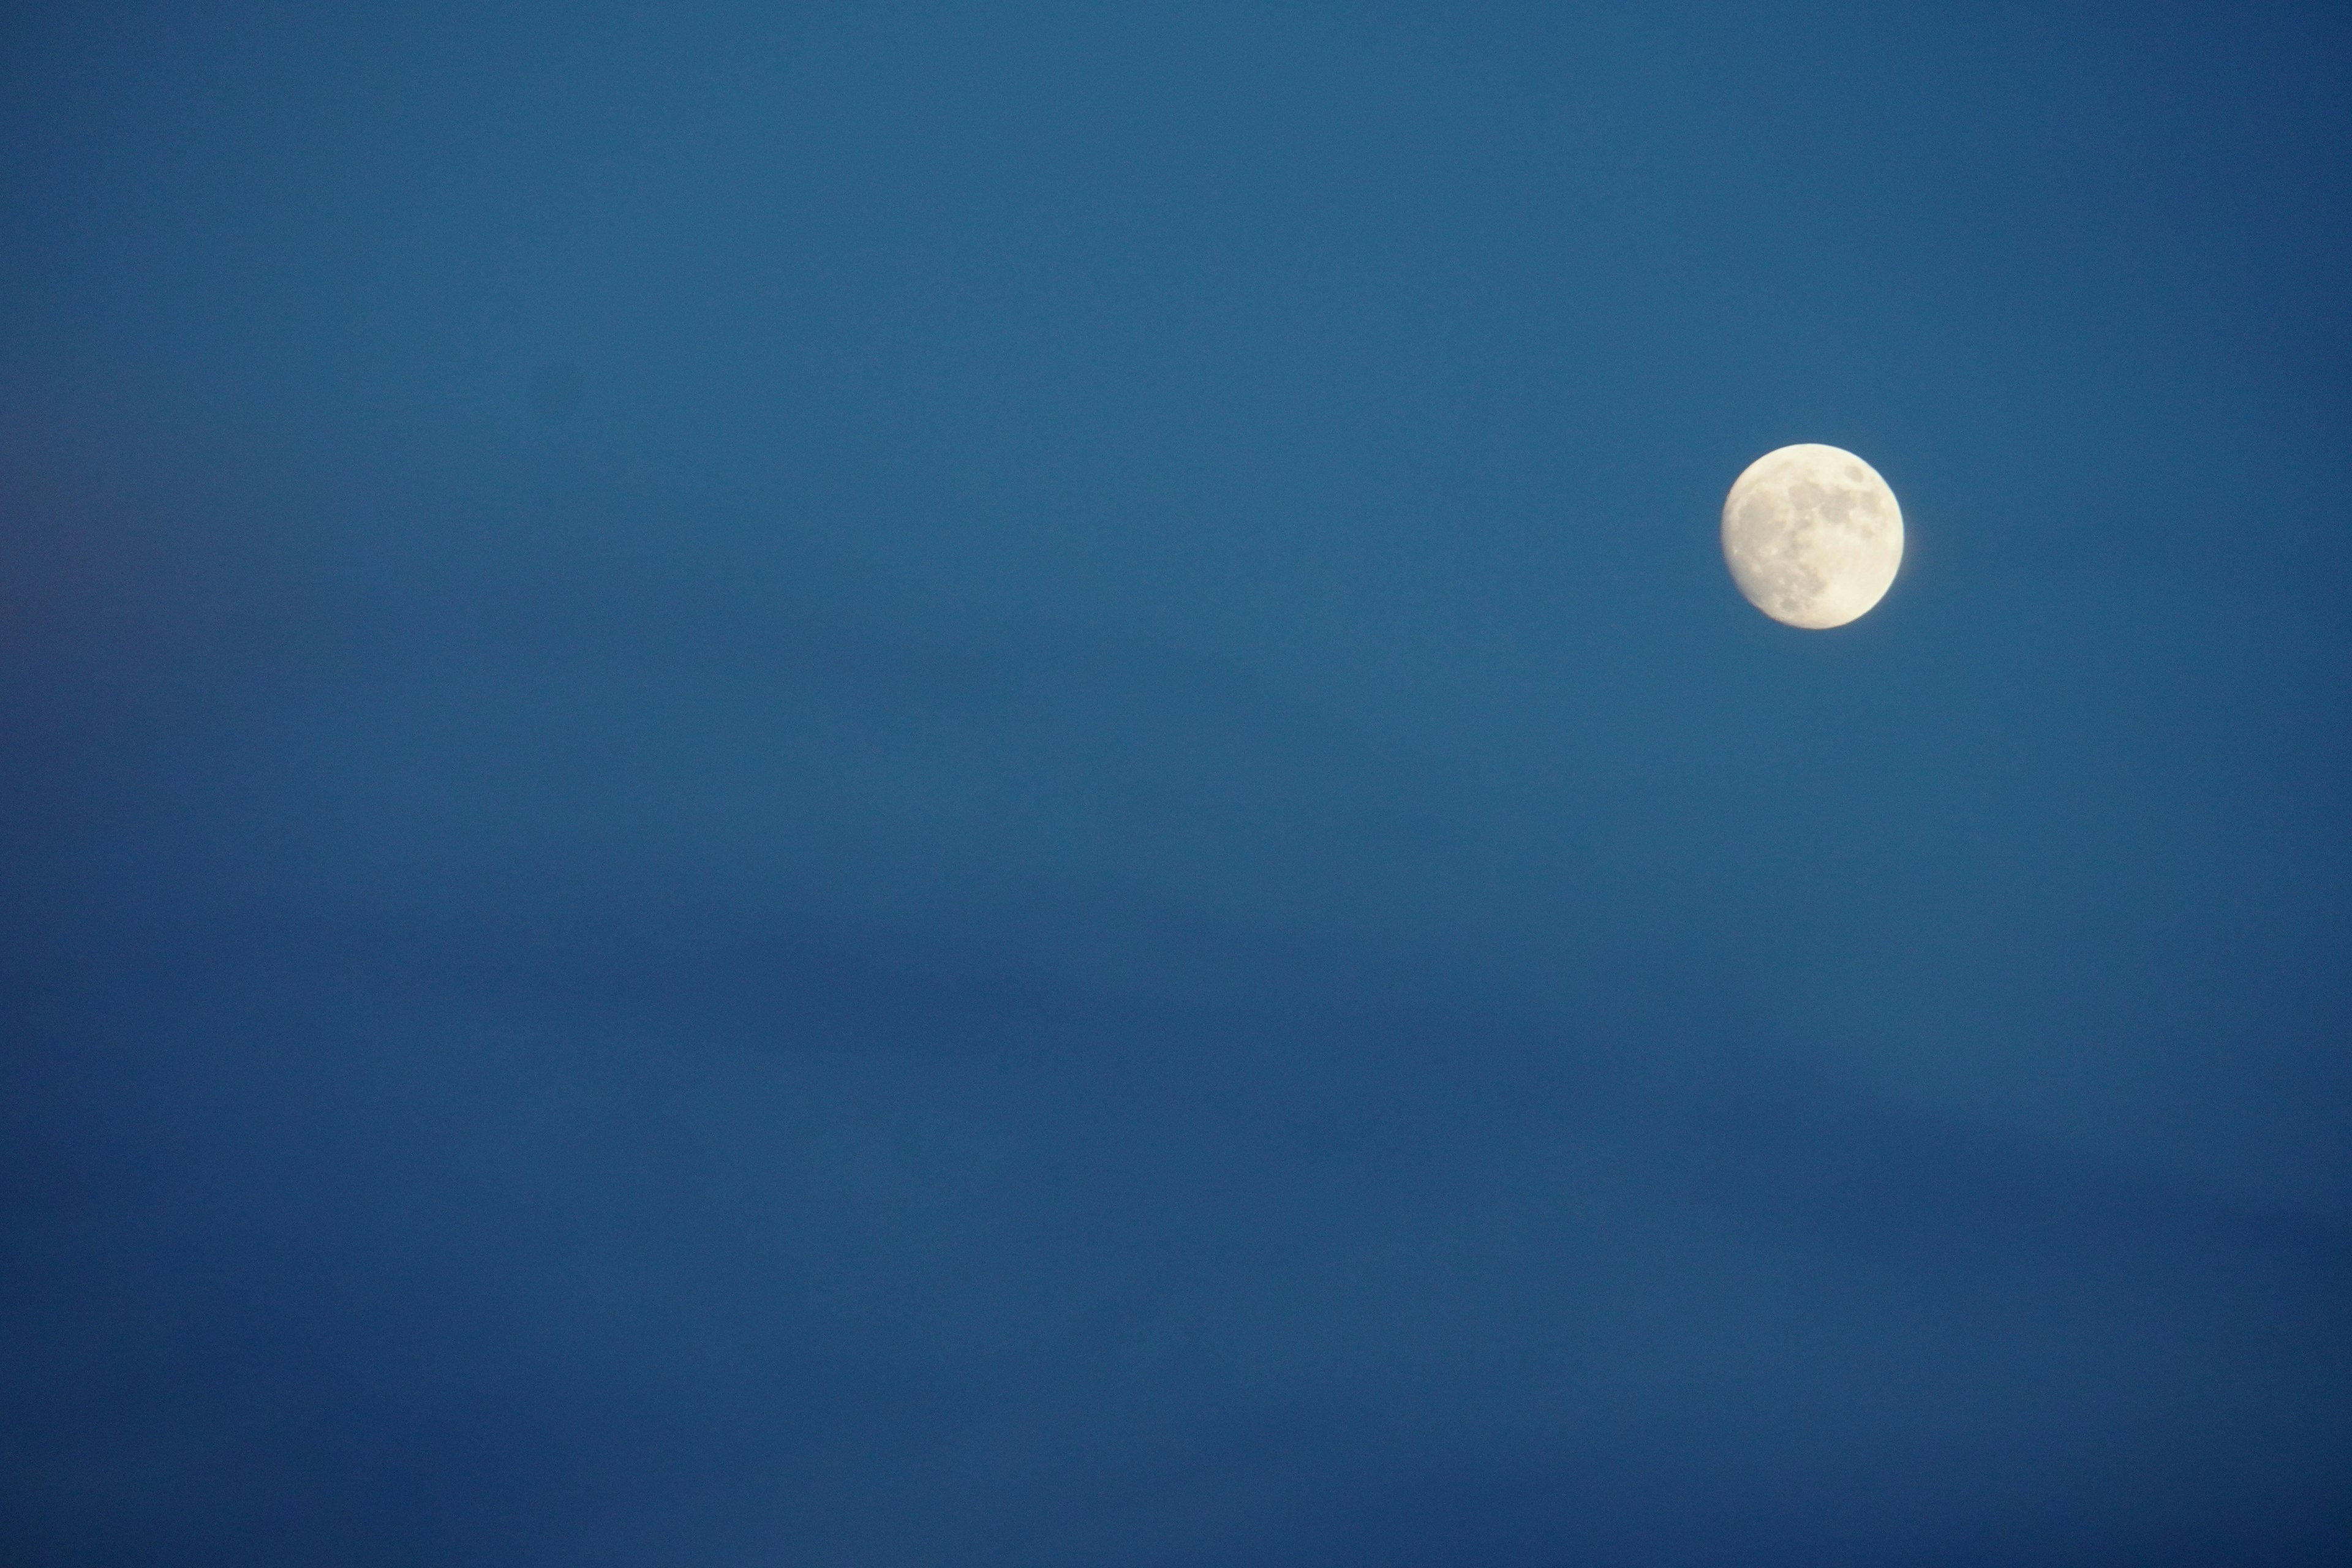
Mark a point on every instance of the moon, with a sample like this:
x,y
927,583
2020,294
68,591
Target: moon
x,y
1813,535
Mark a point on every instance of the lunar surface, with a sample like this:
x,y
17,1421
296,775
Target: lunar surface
x,y
1813,535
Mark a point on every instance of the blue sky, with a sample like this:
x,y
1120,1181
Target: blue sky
x,y
975,785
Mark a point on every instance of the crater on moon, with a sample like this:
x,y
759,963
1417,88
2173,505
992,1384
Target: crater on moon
x,y
1813,535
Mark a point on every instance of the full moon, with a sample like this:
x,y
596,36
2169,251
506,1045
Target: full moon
x,y
1813,535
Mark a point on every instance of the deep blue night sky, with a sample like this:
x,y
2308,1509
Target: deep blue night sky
x,y
973,786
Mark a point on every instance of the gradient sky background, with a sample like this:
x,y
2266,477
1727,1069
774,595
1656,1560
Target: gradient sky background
x,y
973,785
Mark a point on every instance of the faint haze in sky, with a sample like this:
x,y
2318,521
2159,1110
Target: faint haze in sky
x,y
977,786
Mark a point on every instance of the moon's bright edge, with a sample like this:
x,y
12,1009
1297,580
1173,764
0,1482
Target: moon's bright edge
x,y
1813,535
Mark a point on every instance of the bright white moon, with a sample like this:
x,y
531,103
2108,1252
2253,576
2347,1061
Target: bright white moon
x,y
1813,535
